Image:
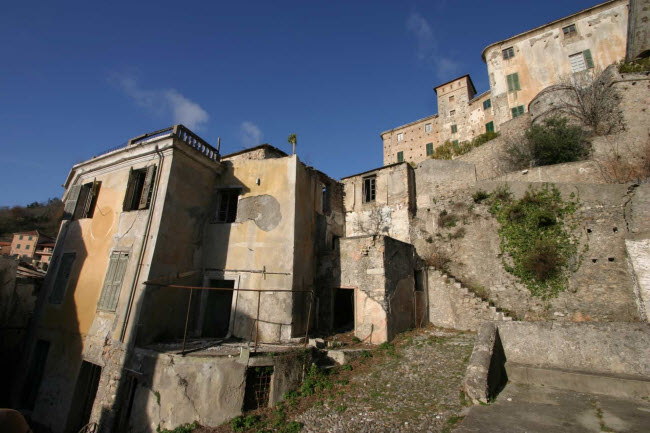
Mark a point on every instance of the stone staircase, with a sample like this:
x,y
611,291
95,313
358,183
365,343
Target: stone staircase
x,y
452,305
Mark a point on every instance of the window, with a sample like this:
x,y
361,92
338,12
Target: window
x,y
454,129
455,142
325,198
258,387
227,205
400,136
508,53
139,188
581,61
513,82
18,246
487,104
400,156
517,111
27,246
429,149
29,238
62,277
427,127
81,201
569,31
452,112
20,237
113,281
489,127
369,189
451,98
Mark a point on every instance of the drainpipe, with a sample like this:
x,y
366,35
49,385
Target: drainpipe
x,y
147,229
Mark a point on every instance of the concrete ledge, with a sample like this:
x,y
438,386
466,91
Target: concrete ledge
x,y
618,385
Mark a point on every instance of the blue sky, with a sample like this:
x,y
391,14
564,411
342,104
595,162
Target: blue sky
x,y
79,78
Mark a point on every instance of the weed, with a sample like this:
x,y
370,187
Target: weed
x,y
346,367
185,428
447,220
356,340
451,422
157,394
243,423
480,195
341,408
366,354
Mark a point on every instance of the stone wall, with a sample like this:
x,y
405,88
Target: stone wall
x,y
638,35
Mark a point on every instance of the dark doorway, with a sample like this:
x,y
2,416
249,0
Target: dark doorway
x,y
258,387
343,314
84,396
36,369
216,309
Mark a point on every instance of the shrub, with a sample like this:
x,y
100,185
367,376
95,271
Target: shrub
x,y
640,65
537,235
439,260
448,150
241,423
447,220
480,195
556,142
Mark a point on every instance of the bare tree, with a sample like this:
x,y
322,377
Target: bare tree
x,y
624,165
589,98
374,222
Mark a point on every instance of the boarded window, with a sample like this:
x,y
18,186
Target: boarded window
x,y
62,276
369,191
581,61
517,111
489,127
139,188
36,370
113,281
454,129
513,82
400,156
508,53
487,104
258,386
227,200
429,149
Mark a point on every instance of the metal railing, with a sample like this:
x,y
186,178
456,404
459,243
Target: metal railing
x,y
257,315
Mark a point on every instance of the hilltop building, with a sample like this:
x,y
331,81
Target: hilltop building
x,y
518,68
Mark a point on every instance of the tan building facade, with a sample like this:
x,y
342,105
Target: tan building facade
x,y
23,244
522,66
519,68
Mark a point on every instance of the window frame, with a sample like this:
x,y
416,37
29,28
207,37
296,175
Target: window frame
x,y
400,136
369,189
489,127
513,82
400,156
454,129
429,148
508,53
139,188
428,127
487,103
571,32
517,111
227,215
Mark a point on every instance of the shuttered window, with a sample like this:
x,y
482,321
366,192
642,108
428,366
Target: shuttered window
x,y
400,156
487,104
227,206
71,202
489,127
517,111
62,276
139,188
508,53
454,129
588,59
429,149
513,82
577,62
113,281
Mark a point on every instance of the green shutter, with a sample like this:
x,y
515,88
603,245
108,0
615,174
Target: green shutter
x,y
400,156
146,189
455,142
454,129
113,281
516,81
71,202
588,59
511,85
487,104
429,149
489,127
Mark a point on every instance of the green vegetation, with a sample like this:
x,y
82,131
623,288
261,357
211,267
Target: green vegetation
x,y
446,219
536,235
243,423
185,428
553,142
44,217
450,149
316,380
640,65
480,195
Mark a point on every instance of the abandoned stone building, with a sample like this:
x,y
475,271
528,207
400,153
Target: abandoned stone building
x,y
185,284
518,69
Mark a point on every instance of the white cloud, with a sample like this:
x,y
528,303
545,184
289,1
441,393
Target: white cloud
x,y
250,134
428,49
163,102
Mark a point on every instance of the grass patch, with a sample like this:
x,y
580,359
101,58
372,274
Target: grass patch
x,y
185,428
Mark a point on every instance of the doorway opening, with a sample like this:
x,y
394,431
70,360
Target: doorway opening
x,y
258,387
210,310
343,312
84,395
